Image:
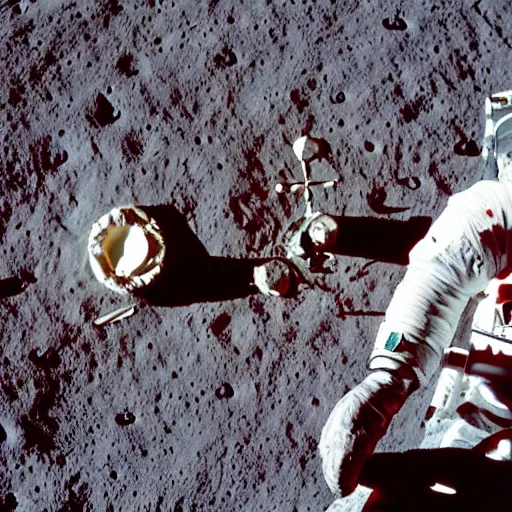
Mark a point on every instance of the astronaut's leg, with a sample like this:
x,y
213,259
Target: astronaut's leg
x,y
462,434
480,415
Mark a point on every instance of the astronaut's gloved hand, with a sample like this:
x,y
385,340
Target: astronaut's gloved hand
x,y
357,423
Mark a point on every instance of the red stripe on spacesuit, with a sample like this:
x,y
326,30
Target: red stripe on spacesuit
x,y
504,293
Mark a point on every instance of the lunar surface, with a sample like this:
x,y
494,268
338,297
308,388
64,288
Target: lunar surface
x,y
212,396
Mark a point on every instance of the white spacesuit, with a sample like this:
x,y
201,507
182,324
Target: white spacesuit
x,y
467,246
474,391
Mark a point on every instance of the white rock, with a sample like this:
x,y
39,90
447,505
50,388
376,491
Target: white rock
x,y
323,232
273,278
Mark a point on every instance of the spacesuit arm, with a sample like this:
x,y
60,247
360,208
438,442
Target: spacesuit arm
x,y
467,246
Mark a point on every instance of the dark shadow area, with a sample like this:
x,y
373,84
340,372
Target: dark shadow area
x,y
17,284
402,481
189,273
379,239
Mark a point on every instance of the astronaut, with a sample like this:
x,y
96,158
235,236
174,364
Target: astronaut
x,y
469,245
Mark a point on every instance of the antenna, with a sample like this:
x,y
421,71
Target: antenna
x,y
306,149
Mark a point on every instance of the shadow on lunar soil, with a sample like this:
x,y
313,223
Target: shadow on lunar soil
x,y
384,240
17,284
189,273
402,481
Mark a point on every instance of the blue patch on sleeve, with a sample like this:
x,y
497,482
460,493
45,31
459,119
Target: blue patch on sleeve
x,y
393,341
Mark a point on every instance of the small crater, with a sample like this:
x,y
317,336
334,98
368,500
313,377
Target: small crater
x,y
103,113
467,148
369,146
225,391
337,98
396,24
125,418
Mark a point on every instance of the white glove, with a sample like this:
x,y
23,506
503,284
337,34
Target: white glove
x,y
356,424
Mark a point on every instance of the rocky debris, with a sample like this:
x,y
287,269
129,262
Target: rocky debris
x,y
323,232
104,113
274,278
